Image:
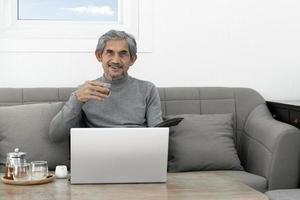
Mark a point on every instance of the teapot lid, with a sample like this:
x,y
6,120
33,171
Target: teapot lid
x,y
16,154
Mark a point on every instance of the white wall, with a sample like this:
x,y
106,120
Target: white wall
x,y
249,43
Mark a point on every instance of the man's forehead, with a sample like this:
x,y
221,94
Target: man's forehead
x,y
117,45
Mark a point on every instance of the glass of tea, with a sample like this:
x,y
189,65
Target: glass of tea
x,y
108,86
21,172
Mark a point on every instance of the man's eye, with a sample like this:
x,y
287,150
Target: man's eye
x,y
122,54
109,52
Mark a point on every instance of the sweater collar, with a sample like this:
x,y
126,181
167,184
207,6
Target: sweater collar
x,y
114,82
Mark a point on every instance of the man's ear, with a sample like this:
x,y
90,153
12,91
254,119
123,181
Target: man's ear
x,y
98,55
133,59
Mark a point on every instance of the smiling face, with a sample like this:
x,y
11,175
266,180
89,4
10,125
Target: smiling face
x,y
115,59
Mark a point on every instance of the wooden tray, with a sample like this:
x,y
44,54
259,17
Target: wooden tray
x,y
49,179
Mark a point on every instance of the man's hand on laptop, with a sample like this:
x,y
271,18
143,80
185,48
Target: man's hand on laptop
x,y
92,90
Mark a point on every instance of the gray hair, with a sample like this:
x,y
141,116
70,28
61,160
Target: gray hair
x,y
117,35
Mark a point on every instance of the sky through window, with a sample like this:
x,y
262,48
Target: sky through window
x,y
69,10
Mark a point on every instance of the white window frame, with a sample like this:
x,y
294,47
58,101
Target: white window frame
x,y
70,36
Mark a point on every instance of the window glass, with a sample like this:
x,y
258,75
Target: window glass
x,y
68,10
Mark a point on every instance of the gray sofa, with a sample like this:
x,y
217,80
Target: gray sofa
x,y
268,149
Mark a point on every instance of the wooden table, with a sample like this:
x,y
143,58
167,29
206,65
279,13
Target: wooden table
x,y
180,186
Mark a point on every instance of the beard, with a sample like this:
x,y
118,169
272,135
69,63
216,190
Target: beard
x,y
119,75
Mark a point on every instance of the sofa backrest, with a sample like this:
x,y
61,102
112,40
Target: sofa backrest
x,y
174,100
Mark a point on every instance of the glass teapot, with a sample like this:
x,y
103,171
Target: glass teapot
x,y
13,159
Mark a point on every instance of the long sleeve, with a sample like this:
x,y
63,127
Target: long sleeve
x,y
153,112
68,117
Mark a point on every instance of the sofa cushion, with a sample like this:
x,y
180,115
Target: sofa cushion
x,y
256,182
286,194
27,127
202,142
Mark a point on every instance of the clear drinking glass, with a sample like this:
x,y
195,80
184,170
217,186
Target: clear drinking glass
x,y
108,86
39,170
21,172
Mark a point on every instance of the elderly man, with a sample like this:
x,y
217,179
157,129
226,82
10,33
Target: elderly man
x,y
129,102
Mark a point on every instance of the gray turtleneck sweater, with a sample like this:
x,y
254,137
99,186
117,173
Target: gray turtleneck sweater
x,y
132,103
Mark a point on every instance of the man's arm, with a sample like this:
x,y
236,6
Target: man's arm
x,y
153,111
68,117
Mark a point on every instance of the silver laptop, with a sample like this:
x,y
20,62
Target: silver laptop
x,y
119,155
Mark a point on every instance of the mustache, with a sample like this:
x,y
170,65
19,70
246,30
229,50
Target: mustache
x,y
116,65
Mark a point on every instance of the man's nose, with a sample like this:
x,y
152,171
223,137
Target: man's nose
x,y
116,59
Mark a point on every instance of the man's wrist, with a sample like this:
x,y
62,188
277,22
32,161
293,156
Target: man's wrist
x,y
75,100
76,95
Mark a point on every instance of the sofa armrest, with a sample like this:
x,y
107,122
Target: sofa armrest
x,y
273,149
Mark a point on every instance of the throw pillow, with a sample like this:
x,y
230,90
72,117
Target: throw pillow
x,y
202,142
27,127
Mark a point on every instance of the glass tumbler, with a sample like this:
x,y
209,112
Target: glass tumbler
x,y
39,170
108,86
21,172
